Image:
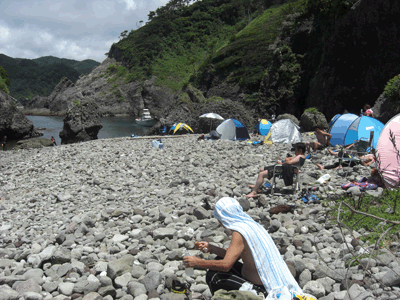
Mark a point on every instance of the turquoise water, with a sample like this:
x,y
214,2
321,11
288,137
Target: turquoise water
x,y
112,127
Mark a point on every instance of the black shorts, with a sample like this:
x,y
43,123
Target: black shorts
x,y
320,147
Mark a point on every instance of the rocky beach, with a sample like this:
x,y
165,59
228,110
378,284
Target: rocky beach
x,y
111,218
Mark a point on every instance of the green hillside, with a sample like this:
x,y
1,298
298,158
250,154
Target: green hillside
x,y
39,76
180,40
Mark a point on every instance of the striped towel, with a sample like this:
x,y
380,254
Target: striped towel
x,y
271,268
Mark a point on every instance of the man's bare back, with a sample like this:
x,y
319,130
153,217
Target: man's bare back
x,y
249,270
322,138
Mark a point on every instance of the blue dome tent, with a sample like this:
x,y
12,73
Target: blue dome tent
x,y
263,127
232,129
361,129
339,128
333,120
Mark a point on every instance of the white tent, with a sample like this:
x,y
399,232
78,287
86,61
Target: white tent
x,y
232,129
285,131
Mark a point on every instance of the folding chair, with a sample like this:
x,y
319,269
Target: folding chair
x,y
296,175
360,148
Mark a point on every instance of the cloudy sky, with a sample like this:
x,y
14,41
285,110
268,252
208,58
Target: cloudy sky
x,y
75,29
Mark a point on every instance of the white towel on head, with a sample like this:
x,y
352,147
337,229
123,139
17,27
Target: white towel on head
x,y
271,268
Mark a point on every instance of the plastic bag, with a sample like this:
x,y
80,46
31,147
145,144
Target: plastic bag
x,y
281,293
247,286
324,178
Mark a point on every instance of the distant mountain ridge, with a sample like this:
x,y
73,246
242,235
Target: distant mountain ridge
x,y
83,67
31,77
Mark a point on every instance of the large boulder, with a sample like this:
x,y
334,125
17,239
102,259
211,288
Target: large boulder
x,y
82,122
290,117
12,122
384,109
310,120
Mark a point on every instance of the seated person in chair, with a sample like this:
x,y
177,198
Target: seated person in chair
x,y
323,140
267,172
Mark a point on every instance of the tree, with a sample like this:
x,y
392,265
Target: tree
x,y
151,15
4,81
123,34
4,76
139,24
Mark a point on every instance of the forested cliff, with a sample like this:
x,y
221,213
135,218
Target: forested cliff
x,y
274,56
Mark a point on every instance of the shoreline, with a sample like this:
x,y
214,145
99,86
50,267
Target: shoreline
x,y
44,112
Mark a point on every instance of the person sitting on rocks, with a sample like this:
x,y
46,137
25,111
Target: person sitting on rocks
x,y
263,268
267,172
323,140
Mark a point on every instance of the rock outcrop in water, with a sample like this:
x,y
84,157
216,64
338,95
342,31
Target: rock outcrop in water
x,y
113,95
12,122
82,123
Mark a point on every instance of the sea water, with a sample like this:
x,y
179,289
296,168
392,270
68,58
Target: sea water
x,y
112,127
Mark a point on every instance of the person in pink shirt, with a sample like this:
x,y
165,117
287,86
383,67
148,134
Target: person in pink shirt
x,y
368,111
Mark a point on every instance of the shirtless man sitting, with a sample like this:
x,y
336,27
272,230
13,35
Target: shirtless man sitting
x,y
262,267
323,140
266,172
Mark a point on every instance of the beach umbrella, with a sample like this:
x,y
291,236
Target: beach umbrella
x,y
184,126
212,116
388,153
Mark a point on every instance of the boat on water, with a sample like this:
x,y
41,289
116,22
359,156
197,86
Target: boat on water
x,y
146,119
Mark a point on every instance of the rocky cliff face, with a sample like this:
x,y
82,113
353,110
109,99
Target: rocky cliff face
x,y
112,94
82,123
12,122
359,58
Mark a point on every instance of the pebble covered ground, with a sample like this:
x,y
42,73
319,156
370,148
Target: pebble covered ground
x,y
111,218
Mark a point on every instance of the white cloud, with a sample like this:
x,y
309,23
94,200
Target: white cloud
x,y
4,33
73,29
130,4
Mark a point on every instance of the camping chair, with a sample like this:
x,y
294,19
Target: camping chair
x,y
296,175
360,148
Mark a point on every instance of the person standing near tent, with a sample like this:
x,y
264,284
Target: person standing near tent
x,y
267,172
263,268
323,140
368,111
